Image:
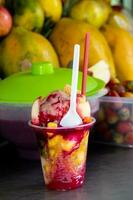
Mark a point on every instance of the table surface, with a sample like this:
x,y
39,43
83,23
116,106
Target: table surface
x,y
109,176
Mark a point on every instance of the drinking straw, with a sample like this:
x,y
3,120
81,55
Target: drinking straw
x,y
85,63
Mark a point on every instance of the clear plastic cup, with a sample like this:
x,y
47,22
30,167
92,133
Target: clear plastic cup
x,y
63,155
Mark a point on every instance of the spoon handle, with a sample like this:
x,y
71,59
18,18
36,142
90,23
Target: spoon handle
x,y
74,77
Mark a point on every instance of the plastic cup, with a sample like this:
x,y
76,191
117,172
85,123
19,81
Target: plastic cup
x,y
63,155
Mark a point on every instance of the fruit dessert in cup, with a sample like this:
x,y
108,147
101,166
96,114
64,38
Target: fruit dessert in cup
x,y
62,149
62,122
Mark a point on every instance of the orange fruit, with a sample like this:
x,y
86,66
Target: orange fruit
x,y
21,47
68,32
121,43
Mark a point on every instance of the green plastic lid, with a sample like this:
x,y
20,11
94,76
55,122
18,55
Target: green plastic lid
x,y
25,87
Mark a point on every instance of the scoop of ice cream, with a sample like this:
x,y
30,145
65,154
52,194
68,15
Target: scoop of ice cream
x,y
55,106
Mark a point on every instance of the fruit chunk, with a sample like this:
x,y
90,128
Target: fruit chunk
x,y
118,138
101,115
5,21
68,145
129,85
129,138
35,111
124,127
101,70
51,125
83,107
124,113
111,116
128,94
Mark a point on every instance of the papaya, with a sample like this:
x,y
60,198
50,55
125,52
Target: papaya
x,y
95,12
52,8
28,14
119,19
21,47
121,44
68,32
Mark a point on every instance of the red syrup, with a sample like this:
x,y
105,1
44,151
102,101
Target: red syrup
x,y
63,155
65,176
63,180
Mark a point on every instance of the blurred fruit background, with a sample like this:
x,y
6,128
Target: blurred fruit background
x,y
43,30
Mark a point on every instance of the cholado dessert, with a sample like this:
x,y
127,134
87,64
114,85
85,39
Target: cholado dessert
x,y
53,107
63,150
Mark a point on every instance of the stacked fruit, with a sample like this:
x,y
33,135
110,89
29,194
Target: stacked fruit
x,y
115,117
44,30
123,89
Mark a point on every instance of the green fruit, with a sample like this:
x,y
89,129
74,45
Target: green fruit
x,y
29,14
68,32
21,47
118,138
124,113
94,12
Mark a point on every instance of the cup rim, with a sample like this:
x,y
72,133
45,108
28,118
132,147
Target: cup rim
x,y
88,125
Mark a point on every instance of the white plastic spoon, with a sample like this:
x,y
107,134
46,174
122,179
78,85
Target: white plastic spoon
x,y
72,118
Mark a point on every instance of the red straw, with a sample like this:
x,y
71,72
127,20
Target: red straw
x,y
85,63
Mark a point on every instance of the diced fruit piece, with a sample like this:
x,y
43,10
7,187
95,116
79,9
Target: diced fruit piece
x,y
111,116
129,138
124,127
55,141
35,111
116,105
67,89
128,94
112,82
119,88
87,120
101,70
101,114
118,138
113,93
124,113
52,125
129,85
83,107
80,158
68,145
